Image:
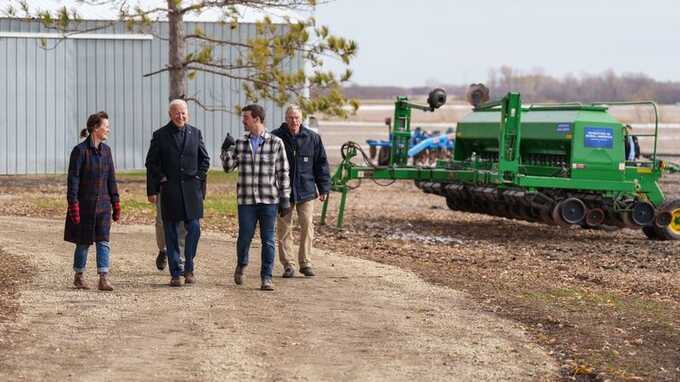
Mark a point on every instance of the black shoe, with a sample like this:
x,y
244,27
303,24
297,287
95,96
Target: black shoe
x,y
238,274
288,273
189,278
161,260
307,271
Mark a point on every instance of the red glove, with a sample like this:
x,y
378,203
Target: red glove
x,y
116,211
74,213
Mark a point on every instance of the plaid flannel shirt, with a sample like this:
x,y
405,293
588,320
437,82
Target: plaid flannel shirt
x,y
263,177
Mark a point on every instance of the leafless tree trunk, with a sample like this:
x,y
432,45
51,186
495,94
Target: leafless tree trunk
x,y
178,82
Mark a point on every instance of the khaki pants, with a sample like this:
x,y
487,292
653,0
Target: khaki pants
x,y
160,234
284,235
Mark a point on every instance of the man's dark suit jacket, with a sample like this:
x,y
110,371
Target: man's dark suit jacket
x,y
177,173
635,144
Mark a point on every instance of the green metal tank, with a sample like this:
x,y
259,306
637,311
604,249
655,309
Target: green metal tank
x,y
581,142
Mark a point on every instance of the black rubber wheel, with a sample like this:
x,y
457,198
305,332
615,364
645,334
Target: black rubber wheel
x,y
651,232
572,210
546,215
451,203
594,217
557,216
672,230
643,213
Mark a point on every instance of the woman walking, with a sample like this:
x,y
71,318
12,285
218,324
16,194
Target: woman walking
x,y
93,200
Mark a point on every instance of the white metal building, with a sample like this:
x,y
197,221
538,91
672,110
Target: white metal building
x,y
47,94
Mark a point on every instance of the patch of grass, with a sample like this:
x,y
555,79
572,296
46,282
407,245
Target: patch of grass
x,y
50,202
220,205
130,174
579,296
572,295
214,175
136,204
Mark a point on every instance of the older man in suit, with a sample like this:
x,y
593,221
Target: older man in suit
x,y
177,167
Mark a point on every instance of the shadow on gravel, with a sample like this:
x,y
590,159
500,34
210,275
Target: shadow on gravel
x,y
15,272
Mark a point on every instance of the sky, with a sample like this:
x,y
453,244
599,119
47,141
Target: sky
x,y
429,42
414,43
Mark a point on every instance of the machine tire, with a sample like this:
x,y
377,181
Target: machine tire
x,y
557,216
650,232
451,204
572,210
671,231
384,156
546,215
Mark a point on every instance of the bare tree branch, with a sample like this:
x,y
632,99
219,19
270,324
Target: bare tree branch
x,y
216,41
205,107
218,65
255,4
167,68
296,91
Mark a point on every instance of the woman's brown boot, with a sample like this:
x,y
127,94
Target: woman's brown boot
x,y
104,282
79,281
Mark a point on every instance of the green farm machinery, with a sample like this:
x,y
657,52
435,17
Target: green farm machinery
x,y
558,164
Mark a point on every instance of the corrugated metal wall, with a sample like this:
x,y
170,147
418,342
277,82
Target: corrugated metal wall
x,y
47,94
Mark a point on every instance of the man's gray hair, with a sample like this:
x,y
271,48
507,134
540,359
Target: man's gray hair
x,y
177,102
293,108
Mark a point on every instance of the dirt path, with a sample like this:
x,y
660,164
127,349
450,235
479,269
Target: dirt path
x,y
357,320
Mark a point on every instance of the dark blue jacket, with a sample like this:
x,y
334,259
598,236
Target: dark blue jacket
x,y
177,172
91,183
308,164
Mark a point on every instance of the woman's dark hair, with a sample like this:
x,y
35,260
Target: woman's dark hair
x,y
93,122
256,111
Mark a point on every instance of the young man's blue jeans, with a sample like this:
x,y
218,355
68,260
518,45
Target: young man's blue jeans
x,y
248,216
80,257
193,228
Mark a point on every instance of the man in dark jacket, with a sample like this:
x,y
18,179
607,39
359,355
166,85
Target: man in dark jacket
x,y
632,145
309,180
176,168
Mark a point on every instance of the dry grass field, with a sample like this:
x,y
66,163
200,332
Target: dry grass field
x,y
376,111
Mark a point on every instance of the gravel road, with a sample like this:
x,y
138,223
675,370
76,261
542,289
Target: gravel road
x,y
358,320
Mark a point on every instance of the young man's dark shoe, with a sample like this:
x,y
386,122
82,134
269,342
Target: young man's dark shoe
x,y
307,271
238,274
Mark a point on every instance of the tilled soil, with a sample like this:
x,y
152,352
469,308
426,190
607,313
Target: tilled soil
x,y
606,303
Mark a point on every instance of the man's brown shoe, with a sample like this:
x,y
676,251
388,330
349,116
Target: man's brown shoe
x,y
238,274
79,281
104,283
288,272
189,278
175,282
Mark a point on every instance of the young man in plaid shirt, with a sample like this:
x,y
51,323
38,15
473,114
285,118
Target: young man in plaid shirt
x,y
263,189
